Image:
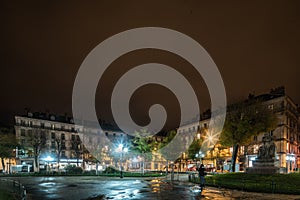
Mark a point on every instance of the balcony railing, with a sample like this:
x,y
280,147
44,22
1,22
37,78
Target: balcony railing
x,y
46,127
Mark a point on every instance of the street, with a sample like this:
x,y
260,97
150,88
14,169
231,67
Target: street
x,y
83,187
90,187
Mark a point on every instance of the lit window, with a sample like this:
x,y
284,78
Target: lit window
x,y
255,138
271,106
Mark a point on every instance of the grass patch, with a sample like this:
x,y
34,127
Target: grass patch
x,y
276,183
6,195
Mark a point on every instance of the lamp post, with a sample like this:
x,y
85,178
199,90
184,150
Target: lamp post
x,y
172,171
121,149
48,159
200,155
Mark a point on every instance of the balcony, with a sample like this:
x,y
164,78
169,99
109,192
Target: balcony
x,y
46,127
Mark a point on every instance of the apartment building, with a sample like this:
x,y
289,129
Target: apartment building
x,y
50,142
286,137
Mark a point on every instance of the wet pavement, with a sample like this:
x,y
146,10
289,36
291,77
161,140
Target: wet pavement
x,y
91,187
80,187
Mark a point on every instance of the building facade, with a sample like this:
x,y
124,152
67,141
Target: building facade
x,y
50,143
286,137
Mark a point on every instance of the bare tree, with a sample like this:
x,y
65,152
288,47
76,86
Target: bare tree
x,y
37,141
77,149
58,143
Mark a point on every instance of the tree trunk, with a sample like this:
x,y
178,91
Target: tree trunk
x,y
96,168
58,160
167,166
245,157
234,155
36,163
143,163
3,164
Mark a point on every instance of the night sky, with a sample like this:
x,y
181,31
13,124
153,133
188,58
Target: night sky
x,y
255,46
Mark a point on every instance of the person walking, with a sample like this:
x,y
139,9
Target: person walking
x,y
202,173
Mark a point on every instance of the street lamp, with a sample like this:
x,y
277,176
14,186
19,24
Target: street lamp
x,y
201,156
121,149
48,159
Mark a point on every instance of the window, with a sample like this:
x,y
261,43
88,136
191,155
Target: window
x,y
42,125
22,132
53,135
63,154
53,145
63,145
255,138
73,137
271,107
63,136
29,133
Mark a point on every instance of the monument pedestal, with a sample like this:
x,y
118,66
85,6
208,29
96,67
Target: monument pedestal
x,y
263,167
264,164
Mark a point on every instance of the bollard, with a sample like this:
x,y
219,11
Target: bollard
x,y
243,181
273,186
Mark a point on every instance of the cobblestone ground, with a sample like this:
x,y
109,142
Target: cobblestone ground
x,y
98,188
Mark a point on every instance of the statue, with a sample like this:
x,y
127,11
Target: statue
x,y
264,164
267,150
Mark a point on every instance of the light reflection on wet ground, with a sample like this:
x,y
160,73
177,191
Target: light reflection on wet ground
x,y
97,188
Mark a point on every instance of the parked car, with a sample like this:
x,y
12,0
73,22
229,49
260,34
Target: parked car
x,y
191,167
